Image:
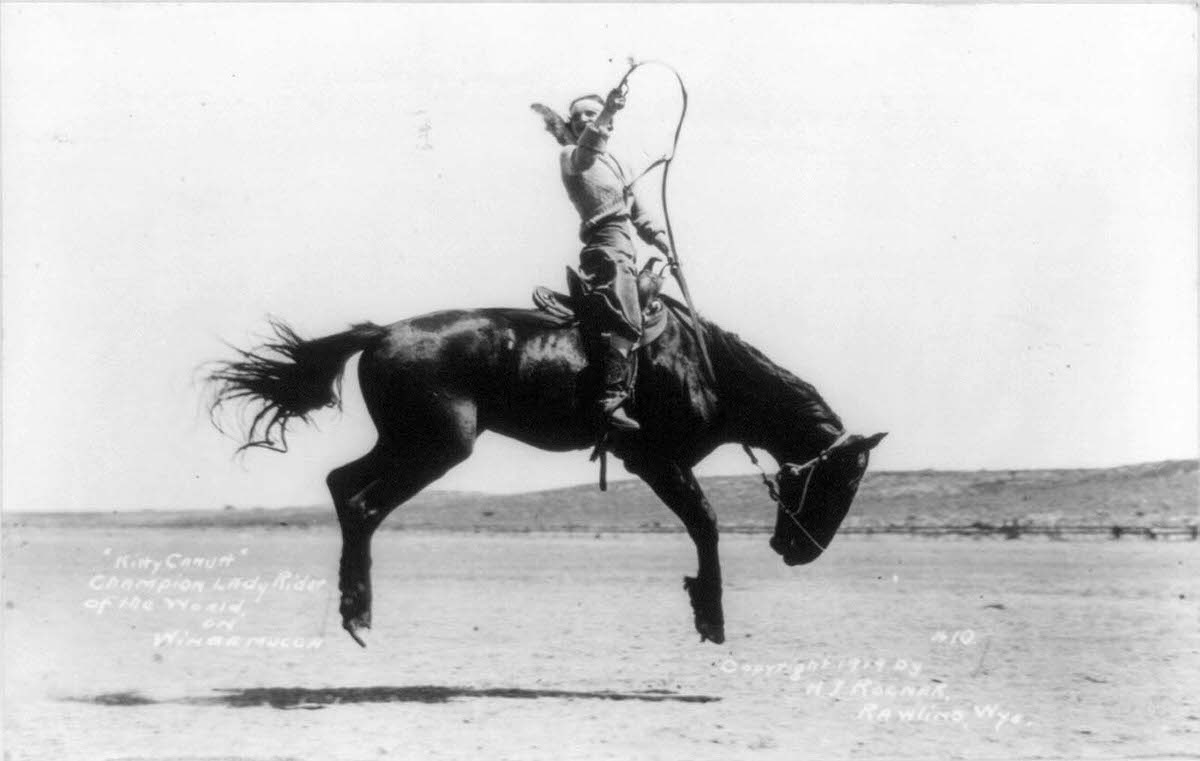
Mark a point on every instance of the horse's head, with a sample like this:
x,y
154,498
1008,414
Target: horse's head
x,y
815,497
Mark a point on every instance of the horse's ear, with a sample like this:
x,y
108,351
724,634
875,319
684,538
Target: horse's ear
x,y
871,442
863,443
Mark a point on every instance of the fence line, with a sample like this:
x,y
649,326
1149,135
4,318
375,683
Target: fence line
x,y
1015,531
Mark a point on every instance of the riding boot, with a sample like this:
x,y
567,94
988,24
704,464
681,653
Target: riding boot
x,y
616,370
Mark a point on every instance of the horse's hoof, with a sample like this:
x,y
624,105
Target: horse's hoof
x,y
714,633
356,629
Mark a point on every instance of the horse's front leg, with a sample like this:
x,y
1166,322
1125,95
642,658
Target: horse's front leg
x,y
678,488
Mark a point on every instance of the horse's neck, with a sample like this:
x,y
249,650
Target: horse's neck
x,y
768,407
787,433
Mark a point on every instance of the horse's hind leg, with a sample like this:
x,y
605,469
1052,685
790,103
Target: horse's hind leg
x,y
367,490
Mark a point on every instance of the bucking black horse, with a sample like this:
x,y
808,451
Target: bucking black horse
x,y
433,383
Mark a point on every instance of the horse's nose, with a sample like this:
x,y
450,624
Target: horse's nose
x,y
793,553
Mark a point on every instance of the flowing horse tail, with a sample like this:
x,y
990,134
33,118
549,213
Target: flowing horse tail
x,y
286,378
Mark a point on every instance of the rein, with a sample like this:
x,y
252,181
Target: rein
x,y
810,466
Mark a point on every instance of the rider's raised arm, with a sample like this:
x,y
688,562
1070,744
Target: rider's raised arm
x,y
593,138
592,142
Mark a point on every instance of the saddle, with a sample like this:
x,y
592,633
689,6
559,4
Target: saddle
x,y
566,307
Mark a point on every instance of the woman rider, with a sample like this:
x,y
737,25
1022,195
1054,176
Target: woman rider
x,y
598,186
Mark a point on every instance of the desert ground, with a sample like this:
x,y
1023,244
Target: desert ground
x,y
224,643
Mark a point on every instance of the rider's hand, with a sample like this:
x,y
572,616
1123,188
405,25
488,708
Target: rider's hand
x,y
615,101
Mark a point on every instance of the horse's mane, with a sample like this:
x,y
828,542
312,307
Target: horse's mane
x,y
745,371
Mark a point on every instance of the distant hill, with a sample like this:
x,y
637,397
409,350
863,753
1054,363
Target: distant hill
x,y
1152,494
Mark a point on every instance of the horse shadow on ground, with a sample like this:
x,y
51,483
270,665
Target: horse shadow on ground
x,y
288,698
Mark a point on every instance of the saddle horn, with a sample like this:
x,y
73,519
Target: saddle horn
x,y
649,284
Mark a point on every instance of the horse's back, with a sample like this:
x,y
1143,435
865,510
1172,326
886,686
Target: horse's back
x,y
523,372
471,339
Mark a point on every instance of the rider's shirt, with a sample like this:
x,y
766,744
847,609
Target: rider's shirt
x,y
597,184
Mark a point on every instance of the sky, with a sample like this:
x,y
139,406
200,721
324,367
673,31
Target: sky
x,y
974,227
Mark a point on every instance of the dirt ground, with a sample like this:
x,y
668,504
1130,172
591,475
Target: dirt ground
x,y
222,644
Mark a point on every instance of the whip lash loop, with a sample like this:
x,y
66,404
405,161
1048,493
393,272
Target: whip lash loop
x,y
665,163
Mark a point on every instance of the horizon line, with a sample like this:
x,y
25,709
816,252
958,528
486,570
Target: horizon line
x,y
5,511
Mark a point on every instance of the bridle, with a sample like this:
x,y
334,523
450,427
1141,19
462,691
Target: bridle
x,y
792,469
